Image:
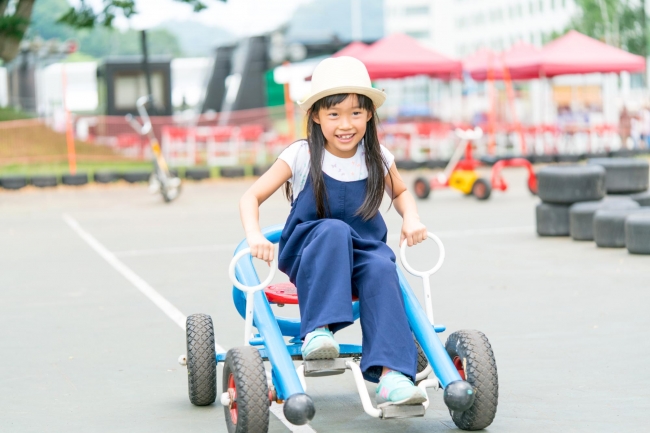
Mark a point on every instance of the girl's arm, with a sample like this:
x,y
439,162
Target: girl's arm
x,y
249,208
412,229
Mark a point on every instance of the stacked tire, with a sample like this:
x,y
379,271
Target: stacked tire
x,y
625,225
559,187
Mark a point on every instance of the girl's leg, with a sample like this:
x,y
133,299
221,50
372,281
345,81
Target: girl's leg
x,y
387,338
318,260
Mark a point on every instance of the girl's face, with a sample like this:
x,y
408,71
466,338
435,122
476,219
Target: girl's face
x,y
343,126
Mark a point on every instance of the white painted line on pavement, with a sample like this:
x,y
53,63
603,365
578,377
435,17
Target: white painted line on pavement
x,y
167,307
276,410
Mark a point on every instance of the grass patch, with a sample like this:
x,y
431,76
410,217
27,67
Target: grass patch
x,y
8,113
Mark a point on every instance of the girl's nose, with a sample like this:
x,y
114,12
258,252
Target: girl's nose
x,y
345,123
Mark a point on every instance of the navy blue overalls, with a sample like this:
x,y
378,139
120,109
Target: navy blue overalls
x,y
331,259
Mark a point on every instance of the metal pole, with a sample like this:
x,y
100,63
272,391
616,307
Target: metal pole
x,y
145,69
644,29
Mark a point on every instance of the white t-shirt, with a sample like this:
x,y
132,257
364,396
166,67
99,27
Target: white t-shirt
x,y
342,169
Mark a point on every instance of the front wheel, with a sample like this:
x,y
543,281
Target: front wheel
x,y
244,379
481,189
422,188
472,355
201,360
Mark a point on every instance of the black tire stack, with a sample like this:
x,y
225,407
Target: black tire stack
x,y
574,203
628,225
559,187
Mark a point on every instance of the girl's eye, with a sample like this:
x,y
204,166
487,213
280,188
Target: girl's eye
x,y
357,113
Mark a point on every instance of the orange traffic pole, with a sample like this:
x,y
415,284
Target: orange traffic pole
x,y
289,109
492,112
69,134
511,101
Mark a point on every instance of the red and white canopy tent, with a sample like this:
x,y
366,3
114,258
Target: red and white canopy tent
x,y
355,49
488,65
399,56
574,53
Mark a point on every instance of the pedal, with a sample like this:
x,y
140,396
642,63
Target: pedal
x,y
324,367
405,411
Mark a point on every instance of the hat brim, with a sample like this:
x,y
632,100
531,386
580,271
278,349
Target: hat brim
x,y
377,96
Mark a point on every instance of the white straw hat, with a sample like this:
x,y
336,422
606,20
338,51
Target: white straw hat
x,y
341,75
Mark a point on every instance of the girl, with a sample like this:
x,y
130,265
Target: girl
x,y
333,245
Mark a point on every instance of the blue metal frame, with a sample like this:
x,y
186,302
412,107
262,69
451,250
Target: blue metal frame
x,y
272,329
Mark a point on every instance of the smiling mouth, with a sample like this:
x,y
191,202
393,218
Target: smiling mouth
x,y
345,137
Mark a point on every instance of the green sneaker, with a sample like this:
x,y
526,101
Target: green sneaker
x,y
396,389
320,344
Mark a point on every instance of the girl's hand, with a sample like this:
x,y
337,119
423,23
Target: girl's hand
x,y
413,231
260,247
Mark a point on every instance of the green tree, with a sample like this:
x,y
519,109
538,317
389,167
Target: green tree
x,y
16,15
620,23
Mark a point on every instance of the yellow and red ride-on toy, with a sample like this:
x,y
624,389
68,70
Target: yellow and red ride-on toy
x,y
461,174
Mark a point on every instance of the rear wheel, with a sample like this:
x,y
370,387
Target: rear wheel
x,y
244,379
472,355
422,188
481,189
201,360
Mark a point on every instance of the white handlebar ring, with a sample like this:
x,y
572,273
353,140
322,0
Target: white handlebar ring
x,y
240,286
433,270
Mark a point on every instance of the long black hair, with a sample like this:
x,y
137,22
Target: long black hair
x,y
375,160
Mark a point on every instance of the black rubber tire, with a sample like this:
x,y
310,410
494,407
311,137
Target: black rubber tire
x,y
609,226
481,189
542,159
422,188
407,164
624,175
643,198
13,182
571,183
232,172
136,176
436,163
247,368
259,170
44,180
475,352
567,157
624,153
581,215
422,358
197,173
552,219
201,360
74,179
106,176
637,233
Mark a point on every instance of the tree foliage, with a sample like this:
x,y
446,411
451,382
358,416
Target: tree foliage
x,y
617,22
16,16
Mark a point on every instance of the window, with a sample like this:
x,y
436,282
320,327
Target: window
x,y
541,5
532,7
416,10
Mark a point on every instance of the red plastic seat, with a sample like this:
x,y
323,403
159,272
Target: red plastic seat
x,y
285,293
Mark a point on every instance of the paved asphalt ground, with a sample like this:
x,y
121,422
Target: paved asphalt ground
x,y
84,350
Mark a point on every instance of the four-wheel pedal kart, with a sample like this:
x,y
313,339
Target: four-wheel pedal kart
x,y
460,173
464,368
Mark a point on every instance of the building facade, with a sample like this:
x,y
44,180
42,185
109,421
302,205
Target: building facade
x,y
460,27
